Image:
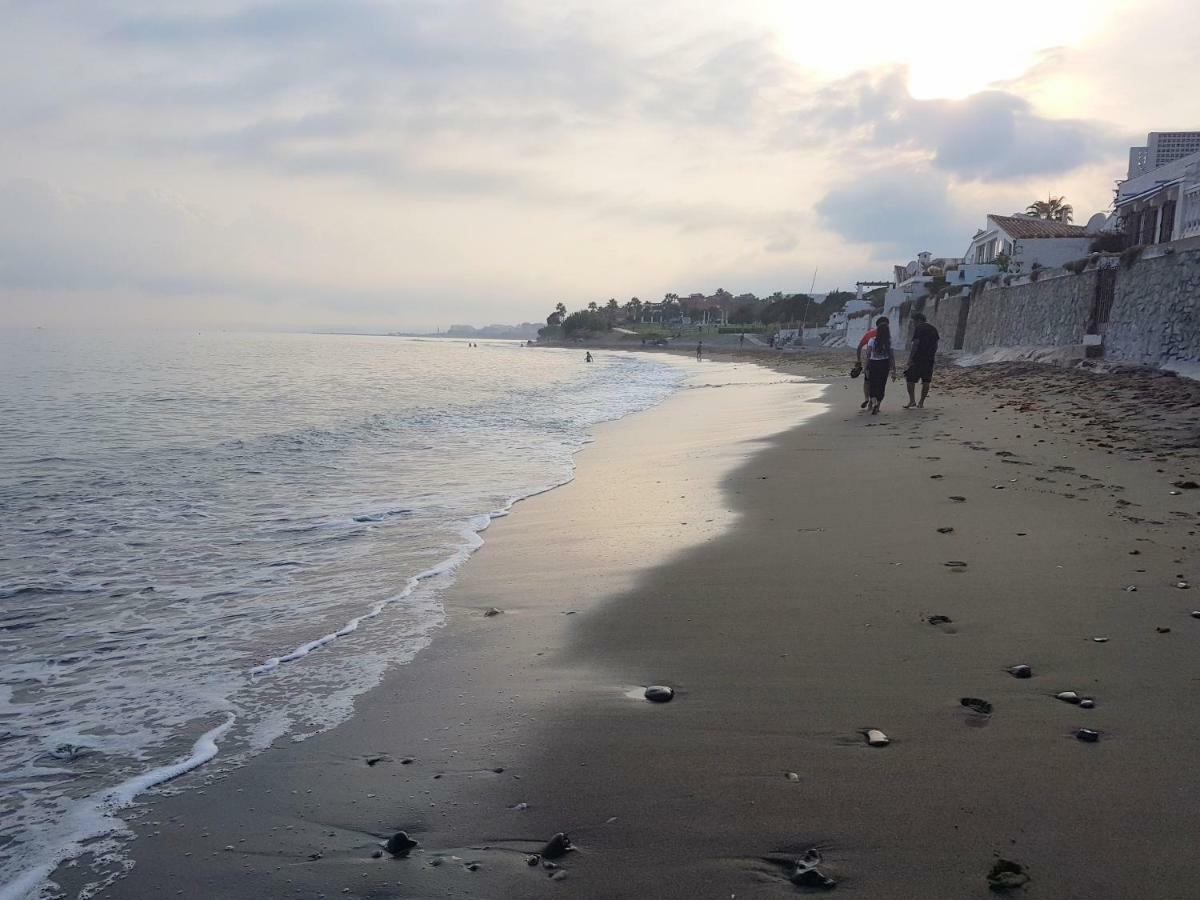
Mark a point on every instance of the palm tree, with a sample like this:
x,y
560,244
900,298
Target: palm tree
x,y
1054,208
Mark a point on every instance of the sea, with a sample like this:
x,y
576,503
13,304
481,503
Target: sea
x,y
210,542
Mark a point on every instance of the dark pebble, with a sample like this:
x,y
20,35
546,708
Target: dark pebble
x,y
559,845
1087,735
939,620
399,844
1007,875
946,530
658,693
1021,671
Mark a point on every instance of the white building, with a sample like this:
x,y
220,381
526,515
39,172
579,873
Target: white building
x,y
1027,242
1162,147
1163,204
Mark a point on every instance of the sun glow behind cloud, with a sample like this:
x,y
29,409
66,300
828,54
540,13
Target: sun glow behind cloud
x,y
951,49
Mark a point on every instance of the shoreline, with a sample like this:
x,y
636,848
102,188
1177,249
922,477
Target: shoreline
x,y
601,438
783,636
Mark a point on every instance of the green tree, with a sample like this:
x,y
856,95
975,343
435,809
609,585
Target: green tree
x,y
585,321
612,310
1056,209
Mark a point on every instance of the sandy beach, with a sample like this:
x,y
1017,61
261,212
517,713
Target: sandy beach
x,y
798,573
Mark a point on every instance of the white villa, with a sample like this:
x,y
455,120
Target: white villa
x,y
1028,242
1163,204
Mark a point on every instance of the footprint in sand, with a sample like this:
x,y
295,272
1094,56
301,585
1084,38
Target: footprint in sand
x,y
979,711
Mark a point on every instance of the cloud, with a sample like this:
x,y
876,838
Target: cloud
x,y
990,135
902,210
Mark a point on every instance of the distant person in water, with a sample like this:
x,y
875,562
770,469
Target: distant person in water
x,y
858,364
881,362
699,349
588,358
922,351
741,339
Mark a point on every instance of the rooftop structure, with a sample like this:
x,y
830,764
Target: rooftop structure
x,y
1162,147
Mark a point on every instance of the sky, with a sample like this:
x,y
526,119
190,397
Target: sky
x,y
411,164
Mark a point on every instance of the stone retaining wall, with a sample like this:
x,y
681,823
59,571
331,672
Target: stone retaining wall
x,y
1156,311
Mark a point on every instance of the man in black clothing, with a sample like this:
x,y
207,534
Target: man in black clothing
x,y
922,351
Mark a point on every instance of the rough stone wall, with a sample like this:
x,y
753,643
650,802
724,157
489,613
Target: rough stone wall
x,y
943,314
1155,314
1051,311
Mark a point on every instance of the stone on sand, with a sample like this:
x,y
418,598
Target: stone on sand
x,y
876,738
399,844
1021,671
659,693
1007,875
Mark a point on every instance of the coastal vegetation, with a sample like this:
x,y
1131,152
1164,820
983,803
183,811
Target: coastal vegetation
x,y
721,308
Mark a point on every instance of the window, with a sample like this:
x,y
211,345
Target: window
x,y
1167,224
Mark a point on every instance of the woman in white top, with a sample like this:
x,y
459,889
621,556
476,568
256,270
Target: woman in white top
x,y
881,360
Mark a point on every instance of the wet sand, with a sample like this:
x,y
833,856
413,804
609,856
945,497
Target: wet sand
x,y
795,619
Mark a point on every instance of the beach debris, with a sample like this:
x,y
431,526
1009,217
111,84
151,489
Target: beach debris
x,y
1006,875
1162,629
1196,613
1087,735
1020,671
1131,588
997,487
493,611
399,844
955,564
806,874
876,738
472,867
1087,703
659,693
1100,640
520,807
377,854
1182,585
939,620
791,776
67,753
945,530
977,706
935,476
558,846
1174,493
376,760
1067,696
315,856
957,499
532,860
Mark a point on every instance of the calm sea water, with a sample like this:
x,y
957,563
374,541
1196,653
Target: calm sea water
x,y
210,542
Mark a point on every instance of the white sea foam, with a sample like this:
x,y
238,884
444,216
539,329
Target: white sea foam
x,y
154,559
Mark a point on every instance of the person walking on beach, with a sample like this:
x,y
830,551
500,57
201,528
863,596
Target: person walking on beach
x,y
881,361
699,349
922,351
870,333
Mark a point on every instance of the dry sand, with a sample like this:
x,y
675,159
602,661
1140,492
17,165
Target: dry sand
x,y
784,589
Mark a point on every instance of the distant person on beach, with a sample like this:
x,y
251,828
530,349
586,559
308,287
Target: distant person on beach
x,y
741,339
922,352
588,358
699,349
858,364
881,361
